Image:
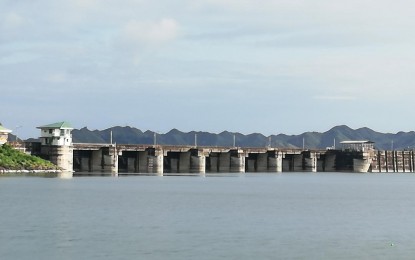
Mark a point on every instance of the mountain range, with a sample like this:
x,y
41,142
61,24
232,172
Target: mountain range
x,y
308,140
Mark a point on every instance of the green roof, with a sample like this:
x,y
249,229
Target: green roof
x,y
4,130
58,125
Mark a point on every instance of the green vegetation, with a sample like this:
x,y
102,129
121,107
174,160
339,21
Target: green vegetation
x,y
12,159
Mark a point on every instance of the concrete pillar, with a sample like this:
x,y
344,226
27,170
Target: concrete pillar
x,y
309,162
262,162
110,160
61,156
66,160
184,162
198,164
237,163
409,160
113,153
405,161
160,164
155,162
224,162
275,162
361,165
394,161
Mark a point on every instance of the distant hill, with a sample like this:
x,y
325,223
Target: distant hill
x,y
130,135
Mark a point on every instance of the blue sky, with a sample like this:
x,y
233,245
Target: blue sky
x,y
208,65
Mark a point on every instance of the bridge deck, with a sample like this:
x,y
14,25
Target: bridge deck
x,y
186,148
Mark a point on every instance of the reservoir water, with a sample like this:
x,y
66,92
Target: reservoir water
x,y
226,216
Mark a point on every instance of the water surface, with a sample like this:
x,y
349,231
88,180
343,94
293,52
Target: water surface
x,y
231,216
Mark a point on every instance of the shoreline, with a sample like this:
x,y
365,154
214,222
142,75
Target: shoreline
x,y
29,171
37,173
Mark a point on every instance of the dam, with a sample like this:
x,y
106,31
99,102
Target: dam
x,y
170,160
142,159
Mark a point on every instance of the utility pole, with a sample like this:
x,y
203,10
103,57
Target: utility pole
x,y
155,138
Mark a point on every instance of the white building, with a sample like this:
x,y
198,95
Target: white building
x,y
4,134
360,146
58,134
